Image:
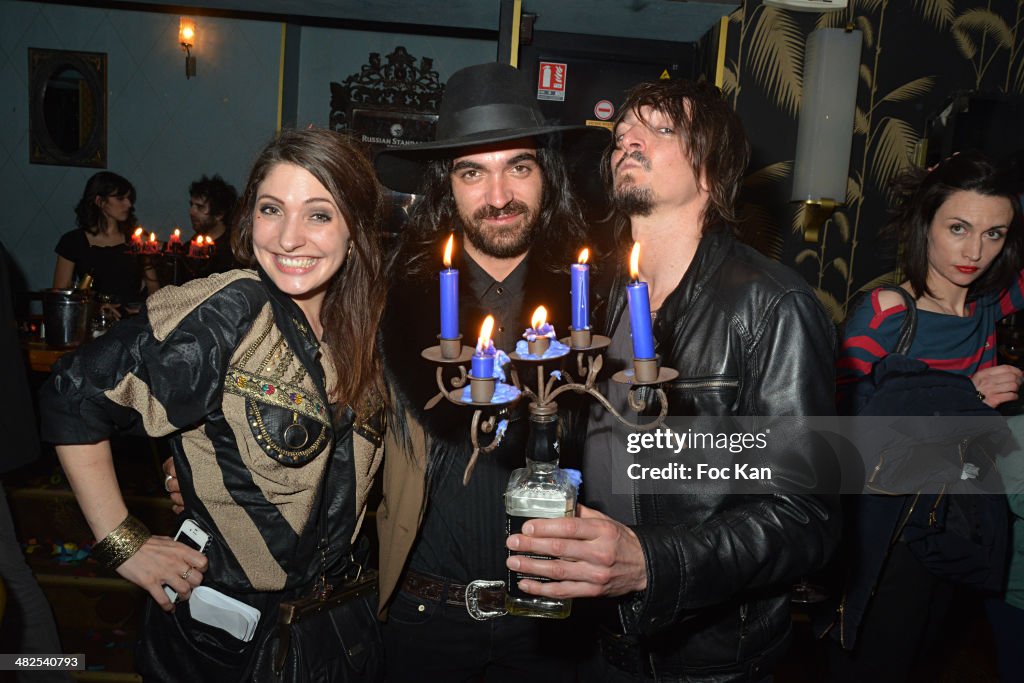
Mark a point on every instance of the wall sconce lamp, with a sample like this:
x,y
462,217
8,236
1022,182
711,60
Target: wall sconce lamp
x,y
187,38
825,131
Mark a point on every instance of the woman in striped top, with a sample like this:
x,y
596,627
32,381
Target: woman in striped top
x,y
961,256
958,224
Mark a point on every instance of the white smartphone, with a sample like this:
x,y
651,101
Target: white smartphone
x,y
191,535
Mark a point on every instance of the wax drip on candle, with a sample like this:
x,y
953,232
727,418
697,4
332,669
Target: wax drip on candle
x,y
639,309
136,244
482,363
539,326
580,292
174,242
484,343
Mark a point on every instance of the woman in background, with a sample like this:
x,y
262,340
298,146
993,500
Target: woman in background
x,y
1006,611
961,240
267,382
99,245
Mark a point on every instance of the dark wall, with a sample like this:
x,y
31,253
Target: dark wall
x,y
602,68
915,57
599,70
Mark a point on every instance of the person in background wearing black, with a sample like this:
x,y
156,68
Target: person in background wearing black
x,y
27,606
961,251
211,208
495,177
697,577
1006,611
99,245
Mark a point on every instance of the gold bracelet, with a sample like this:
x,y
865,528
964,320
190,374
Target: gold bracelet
x,y
121,543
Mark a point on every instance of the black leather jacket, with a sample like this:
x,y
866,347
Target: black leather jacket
x,y
748,338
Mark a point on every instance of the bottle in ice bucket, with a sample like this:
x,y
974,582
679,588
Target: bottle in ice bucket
x,y
541,489
85,284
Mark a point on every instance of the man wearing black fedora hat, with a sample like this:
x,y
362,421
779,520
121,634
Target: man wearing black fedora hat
x,y
694,573
494,176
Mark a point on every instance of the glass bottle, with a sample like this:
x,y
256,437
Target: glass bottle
x,y
85,283
541,489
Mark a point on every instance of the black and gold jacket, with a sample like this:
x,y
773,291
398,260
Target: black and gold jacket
x,y
227,367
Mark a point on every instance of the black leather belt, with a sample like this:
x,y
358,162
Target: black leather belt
x,y
483,601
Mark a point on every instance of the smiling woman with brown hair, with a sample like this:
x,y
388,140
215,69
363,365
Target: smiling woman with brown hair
x,y
267,383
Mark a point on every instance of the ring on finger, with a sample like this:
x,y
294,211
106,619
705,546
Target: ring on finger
x,y
167,480
187,573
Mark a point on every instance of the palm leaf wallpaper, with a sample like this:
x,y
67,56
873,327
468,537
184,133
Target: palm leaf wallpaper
x,y
916,55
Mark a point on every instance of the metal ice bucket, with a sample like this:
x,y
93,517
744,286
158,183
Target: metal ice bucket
x,y
66,314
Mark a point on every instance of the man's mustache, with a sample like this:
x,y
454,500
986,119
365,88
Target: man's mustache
x,y
636,156
513,208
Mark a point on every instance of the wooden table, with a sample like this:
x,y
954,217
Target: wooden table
x,y
42,356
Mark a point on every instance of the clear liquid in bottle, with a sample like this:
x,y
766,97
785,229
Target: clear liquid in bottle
x,y
539,490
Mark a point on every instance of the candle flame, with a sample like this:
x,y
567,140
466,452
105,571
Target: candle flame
x,y
584,255
485,334
540,316
448,251
209,241
177,232
138,231
634,262
152,237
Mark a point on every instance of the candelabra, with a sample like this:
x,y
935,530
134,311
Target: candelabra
x,y
541,489
183,266
173,257
540,377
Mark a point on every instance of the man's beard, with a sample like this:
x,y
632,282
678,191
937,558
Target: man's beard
x,y
506,241
633,200
629,198
204,224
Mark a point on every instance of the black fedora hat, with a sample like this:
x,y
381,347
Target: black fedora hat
x,y
482,104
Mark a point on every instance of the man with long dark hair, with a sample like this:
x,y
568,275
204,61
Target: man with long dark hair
x,y
696,575
495,179
211,209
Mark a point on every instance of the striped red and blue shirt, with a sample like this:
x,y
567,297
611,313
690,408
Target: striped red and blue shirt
x,y
945,342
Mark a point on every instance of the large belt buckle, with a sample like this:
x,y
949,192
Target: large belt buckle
x,y
473,599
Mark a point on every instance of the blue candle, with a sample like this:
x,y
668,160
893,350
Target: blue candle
x,y
580,274
482,364
449,296
639,310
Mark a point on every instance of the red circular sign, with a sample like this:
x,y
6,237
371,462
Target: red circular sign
x,y
604,110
